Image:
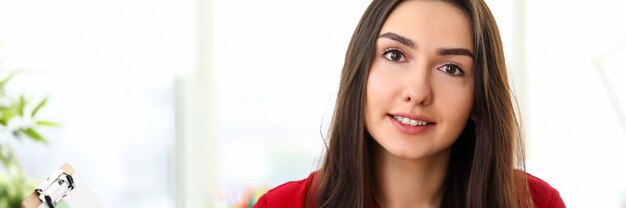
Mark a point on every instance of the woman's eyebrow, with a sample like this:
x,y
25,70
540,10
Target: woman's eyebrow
x,y
455,51
398,38
442,51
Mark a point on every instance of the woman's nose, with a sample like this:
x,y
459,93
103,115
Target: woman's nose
x,y
417,86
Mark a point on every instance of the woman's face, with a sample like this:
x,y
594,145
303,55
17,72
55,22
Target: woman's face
x,y
420,86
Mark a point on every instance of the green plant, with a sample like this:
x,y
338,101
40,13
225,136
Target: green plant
x,y
18,120
14,186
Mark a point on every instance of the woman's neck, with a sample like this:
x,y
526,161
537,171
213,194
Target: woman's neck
x,y
410,183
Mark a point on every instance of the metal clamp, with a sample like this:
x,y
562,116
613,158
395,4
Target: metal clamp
x,y
56,187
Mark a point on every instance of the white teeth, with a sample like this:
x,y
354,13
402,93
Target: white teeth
x,y
409,121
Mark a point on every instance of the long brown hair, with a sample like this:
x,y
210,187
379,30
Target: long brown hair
x,y
486,167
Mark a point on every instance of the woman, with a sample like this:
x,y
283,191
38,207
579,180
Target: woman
x,y
424,117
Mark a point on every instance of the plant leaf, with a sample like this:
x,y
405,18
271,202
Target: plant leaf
x,y
8,78
5,156
7,114
20,106
42,103
34,135
48,123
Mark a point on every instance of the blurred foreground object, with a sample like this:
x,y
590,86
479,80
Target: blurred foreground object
x,y
60,191
50,193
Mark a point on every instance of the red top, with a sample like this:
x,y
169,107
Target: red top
x,y
291,194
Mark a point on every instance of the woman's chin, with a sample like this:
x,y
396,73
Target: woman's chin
x,y
406,152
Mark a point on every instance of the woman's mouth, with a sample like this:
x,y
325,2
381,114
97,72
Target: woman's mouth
x,y
411,124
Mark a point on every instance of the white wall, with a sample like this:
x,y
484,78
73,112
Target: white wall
x,y
277,66
576,141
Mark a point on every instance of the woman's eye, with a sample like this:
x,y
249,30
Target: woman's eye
x,y
452,69
394,55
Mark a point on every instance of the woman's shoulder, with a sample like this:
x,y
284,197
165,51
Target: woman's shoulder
x,y
290,194
543,194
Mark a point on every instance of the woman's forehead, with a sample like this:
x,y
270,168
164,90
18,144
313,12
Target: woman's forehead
x,y
430,24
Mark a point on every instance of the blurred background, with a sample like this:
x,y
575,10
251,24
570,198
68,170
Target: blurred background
x,y
191,103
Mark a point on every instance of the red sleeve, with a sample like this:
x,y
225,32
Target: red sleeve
x,y
261,203
544,196
290,194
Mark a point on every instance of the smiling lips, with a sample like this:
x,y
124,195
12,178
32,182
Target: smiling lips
x,y
410,124
409,121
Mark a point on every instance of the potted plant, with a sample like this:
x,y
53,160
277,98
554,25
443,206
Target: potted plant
x,y
18,121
